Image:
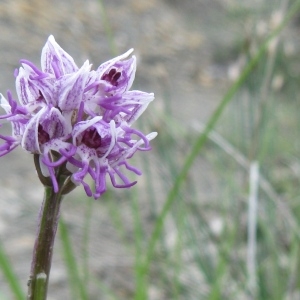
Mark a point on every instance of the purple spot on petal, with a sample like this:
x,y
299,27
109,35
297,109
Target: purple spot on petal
x,y
43,136
91,138
112,77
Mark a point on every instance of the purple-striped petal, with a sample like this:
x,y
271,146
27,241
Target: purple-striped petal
x,y
55,60
71,88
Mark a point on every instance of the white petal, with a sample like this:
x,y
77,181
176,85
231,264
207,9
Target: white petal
x,y
51,49
151,136
112,125
105,66
4,104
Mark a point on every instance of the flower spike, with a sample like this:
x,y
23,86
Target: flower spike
x,y
76,121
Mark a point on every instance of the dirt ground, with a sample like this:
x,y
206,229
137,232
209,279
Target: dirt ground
x,y
175,43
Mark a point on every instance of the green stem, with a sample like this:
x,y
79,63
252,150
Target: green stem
x,y
43,248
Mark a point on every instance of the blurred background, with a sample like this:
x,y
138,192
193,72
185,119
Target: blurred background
x,y
231,230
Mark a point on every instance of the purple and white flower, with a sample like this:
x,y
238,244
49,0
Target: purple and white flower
x,y
77,119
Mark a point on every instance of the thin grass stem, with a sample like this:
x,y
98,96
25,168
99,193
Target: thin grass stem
x,y
10,276
77,285
252,227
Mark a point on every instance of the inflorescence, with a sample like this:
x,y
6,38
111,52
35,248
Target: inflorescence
x,y
77,119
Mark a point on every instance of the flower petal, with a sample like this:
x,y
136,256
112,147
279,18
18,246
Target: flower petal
x,y
5,104
71,88
33,90
27,92
55,124
82,126
125,70
108,64
48,124
30,138
55,60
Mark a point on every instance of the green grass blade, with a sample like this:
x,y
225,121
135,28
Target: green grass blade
x,y
107,28
77,286
86,241
10,276
190,158
138,238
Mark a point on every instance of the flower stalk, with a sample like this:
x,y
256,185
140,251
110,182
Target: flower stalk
x,y
43,248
